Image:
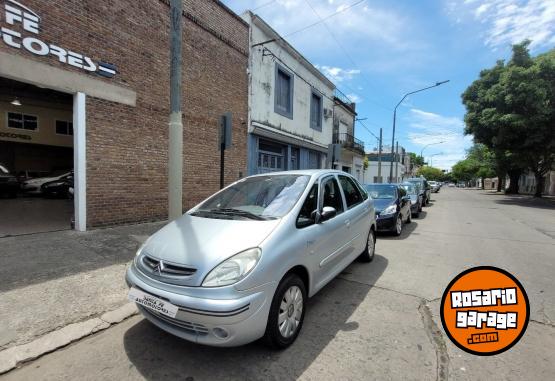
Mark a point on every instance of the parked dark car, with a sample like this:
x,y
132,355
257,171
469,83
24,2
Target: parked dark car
x,y
392,206
58,188
8,183
425,188
413,192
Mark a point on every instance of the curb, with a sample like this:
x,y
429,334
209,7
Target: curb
x,y
13,357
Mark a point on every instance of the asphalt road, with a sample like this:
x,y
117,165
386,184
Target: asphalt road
x,y
376,321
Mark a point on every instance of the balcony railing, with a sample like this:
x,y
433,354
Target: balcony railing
x,y
349,141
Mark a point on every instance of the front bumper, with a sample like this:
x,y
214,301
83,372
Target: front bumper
x,y
387,222
242,315
414,208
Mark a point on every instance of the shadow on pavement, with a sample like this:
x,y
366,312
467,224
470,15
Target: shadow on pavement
x,y
405,233
37,258
527,201
158,355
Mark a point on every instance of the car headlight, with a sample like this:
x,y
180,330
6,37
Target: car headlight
x,y
391,209
234,269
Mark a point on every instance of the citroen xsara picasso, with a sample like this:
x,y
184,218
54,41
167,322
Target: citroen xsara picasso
x,y
241,265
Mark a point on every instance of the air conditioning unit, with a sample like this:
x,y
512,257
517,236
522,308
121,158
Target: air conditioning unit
x,y
328,113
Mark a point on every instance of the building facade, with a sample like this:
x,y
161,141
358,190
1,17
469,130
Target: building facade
x,y
290,105
108,62
351,158
401,166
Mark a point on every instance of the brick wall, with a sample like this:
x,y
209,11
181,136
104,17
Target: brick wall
x,y
127,146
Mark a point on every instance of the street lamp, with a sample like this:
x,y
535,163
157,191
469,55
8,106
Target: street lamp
x,y
427,145
395,118
432,158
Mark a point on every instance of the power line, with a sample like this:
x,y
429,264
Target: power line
x,y
263,5
346,53
310,25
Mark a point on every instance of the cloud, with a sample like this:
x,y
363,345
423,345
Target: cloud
x,y
445,132
507,22
337,74
354,98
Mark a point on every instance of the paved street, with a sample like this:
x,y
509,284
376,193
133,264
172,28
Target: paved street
x,y
376,321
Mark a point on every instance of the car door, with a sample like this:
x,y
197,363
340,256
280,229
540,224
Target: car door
x,y
357,213
404,203
326,240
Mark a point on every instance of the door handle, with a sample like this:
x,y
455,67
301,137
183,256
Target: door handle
x,y
348,223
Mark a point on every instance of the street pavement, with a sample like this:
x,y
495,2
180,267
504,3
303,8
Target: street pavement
x,y
375,321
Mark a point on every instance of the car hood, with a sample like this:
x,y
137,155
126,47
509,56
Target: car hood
x,y
41,180
382,203
203,243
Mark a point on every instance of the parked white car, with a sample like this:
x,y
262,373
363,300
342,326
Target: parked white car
x,y
33,186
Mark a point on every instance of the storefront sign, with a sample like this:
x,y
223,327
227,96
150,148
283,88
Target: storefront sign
x,y
18,16
11,135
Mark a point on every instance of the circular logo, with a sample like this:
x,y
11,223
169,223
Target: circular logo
x,y
485,310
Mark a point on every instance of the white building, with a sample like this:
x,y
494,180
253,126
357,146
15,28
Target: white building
x,y
290,105
351,157
401,166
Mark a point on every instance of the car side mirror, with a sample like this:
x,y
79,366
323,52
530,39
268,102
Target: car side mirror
x,y
328,212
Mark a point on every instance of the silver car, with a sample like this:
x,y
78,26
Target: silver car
x,y
242,264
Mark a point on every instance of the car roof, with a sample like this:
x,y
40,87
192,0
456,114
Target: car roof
x,y
305,172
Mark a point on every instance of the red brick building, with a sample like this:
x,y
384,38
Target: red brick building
x,y
72,48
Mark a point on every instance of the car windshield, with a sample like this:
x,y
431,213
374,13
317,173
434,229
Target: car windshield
x,y
380,191
258,198
410,188
4,170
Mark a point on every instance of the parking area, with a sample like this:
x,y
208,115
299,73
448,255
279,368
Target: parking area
x,y
32,214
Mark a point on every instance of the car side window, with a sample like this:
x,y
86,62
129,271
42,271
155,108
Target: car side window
x,y
331,195
351,192
304,218
362,191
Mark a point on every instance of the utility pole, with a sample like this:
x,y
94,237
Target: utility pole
x,y
396,161
380,158
175,136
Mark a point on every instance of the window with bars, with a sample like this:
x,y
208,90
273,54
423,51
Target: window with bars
x,y
22,121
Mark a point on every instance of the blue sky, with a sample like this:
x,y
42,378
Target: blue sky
x,y
379,50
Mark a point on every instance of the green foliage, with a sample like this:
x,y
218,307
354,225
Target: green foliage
x,y
416,160
430,173
366,163
511,110
480,162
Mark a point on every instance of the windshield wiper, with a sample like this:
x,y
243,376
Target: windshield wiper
x,y
238,212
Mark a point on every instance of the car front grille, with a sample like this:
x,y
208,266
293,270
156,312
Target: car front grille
x,y
160,267
192,328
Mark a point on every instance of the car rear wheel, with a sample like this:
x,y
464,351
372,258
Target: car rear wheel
x,y
409,217
398,226
286,312
368,254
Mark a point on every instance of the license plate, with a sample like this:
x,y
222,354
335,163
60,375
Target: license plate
x,y
152,302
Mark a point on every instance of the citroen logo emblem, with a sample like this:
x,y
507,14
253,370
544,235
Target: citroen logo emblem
x,y
159,268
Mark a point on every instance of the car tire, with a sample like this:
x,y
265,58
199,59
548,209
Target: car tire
x,y
417,214
409,218
398,226
368,254
277,334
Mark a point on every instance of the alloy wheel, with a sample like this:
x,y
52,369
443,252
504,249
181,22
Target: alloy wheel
x,y
290,311
399,225
371,244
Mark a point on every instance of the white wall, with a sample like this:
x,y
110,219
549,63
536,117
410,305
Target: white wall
x,y
262,88
372,171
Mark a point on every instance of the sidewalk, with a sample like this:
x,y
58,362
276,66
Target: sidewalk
x,y
51,280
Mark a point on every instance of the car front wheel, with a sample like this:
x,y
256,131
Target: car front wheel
x,y
286,312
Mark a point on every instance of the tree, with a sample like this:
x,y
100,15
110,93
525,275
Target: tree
x,y
430,173
482,162
465,170
510,109
416,160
